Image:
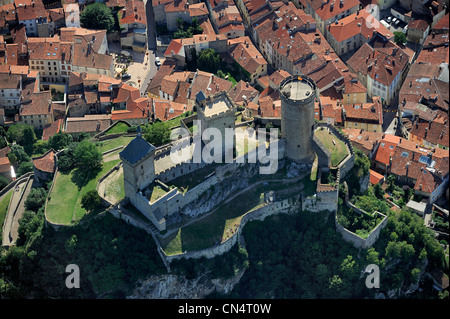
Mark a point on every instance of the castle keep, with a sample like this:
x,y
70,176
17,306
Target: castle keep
x,y
297,117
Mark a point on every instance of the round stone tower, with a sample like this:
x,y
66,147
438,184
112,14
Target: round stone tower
x,y
298,94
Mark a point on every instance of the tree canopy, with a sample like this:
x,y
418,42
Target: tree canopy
x,y
23,134
87,156
97,16
91,200
158,133
209,60
399,37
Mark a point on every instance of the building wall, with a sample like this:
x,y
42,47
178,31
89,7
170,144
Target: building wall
x,y
37,121
417,36
9,98
297,126
355,97
364,126
159,12
358,241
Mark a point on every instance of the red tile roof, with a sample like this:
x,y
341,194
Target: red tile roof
x,y
365,112
359,23
46,162
198,9
375,177
434,132
51,129
88,123
364,140
29,10
329,9
418,24
247,55
165,110
380,65
140,108
134,12
40,104
386,149
240,90
5,165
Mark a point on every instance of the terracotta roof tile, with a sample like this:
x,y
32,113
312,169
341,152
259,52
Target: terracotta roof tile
x,y
134,12
46,162
165,110
51,129
88,123
40,104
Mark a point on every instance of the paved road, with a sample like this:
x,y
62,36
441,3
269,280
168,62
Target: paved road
x,y
151,44
151,25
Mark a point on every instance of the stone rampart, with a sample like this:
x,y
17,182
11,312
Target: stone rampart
x,y
258,214
357,240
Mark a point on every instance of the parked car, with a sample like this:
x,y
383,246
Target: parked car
x,y
157,61
389,19
126,76
394,21
405,29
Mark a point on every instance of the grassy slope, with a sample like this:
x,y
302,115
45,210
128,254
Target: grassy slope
x,y
338,151
4,203
65,200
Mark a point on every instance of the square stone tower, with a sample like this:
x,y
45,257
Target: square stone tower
x,y
216,111
138,159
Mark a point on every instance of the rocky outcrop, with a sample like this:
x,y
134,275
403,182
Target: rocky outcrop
x,y
178,287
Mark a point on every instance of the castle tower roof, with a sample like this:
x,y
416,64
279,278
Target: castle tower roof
x,y
136,150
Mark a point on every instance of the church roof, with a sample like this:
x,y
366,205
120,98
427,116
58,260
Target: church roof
x,y
136,149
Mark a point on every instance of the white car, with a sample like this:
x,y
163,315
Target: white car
x,y
389,19
405,29
157,61
394,21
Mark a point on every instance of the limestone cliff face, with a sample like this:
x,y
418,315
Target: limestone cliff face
x,y
178,287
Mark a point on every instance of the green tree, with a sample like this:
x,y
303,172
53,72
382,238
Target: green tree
x,y
399,37
36,199
87,155
209,60
65,163
24,168
3,182
91,200
60,140
97,16
378,191
70,244
18,155
40,147
157,133
23,134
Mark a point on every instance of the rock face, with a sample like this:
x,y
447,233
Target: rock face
x,y
178,287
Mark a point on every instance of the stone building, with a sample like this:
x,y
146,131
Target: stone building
x,y
297,117
138,165
44,166
216,111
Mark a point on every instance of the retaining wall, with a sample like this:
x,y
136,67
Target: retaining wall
x,y
347,163
257,214
357,240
